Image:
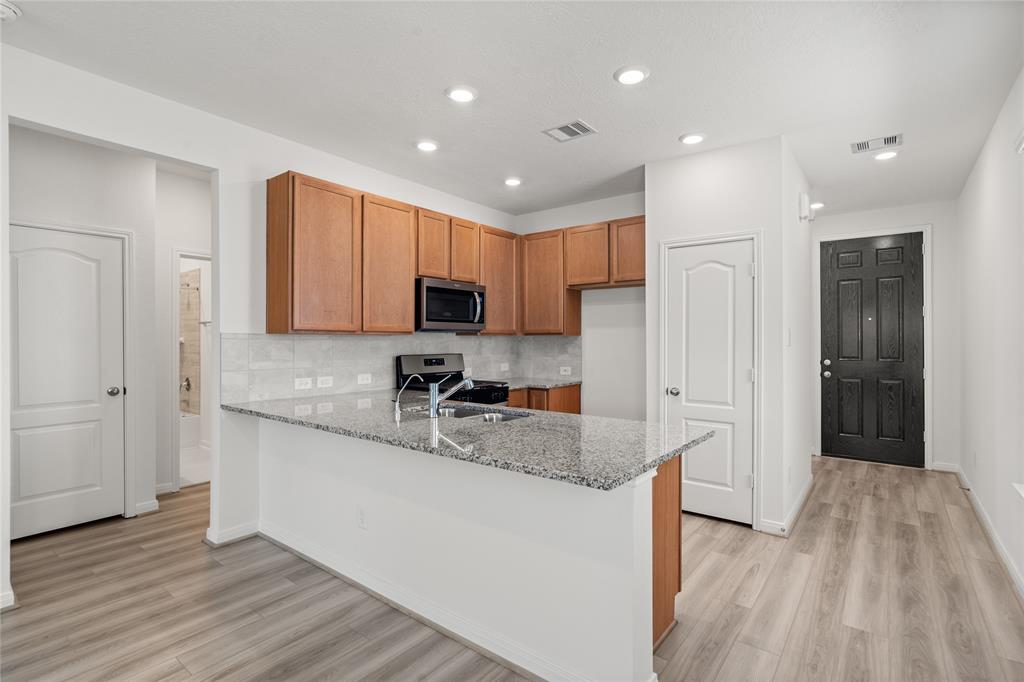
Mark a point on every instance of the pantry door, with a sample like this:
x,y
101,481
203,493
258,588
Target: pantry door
x,y
710,372
67,379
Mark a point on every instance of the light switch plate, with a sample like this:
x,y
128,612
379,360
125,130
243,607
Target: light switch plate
x,y
565,371
364,378
304,383
324,382
504,367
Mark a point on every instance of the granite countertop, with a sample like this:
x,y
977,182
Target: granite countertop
x,y
595,452
534,382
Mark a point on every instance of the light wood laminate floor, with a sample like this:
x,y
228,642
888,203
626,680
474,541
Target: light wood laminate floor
x,y
888,575
146,599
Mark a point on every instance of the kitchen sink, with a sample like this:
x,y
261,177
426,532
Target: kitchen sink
x,y
480,414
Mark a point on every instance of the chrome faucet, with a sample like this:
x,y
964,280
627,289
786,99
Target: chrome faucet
x,y
398,398
436,399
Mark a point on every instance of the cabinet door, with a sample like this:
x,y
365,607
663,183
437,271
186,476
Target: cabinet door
x,y
517,397
627,253
320,223
498,274
537,399
543,283
586,254
389,265
564,399
433,238
465,251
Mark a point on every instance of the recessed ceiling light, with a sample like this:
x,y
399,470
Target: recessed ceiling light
x,y
817,205
691,138
513,182
426,146
631,75
885,156
461,94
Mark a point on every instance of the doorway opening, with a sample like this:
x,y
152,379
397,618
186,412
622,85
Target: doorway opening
x,y
873,330
195,279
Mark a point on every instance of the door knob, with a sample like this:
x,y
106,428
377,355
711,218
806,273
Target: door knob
x,y
114,390
826,362
673,391
826,374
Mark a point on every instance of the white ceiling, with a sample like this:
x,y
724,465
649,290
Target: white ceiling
x,y
365,81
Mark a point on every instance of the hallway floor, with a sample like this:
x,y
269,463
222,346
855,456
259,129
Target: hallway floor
x,y
888,575
195,466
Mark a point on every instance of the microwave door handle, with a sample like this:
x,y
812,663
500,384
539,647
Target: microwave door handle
x,y
479,307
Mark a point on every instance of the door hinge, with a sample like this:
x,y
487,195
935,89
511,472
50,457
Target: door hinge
x,y
923,311
753,269
923,371
922,248
124,390
924,436
750,481
753,376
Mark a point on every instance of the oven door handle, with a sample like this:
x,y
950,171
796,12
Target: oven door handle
x,y
479,307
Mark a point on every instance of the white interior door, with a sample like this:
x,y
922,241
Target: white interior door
x,y
67,350
709,363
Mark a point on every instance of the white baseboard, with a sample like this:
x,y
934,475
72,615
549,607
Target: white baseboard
x,y
784,528
6,599
946,466
164,488
147,506
422,607
990,531
233,534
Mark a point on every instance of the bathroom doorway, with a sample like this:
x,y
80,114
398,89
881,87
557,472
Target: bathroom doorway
x,y
194,345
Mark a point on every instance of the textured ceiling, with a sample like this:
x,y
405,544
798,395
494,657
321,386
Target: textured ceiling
x,y
366,80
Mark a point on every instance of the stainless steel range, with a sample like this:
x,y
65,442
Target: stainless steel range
x,y
447,369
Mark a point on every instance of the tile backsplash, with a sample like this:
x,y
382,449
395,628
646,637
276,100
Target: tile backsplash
x,y
268,366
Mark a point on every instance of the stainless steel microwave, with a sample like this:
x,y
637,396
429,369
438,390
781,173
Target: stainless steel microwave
x,y
442,305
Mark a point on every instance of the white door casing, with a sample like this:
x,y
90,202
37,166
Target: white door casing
x,y
709,358
67,349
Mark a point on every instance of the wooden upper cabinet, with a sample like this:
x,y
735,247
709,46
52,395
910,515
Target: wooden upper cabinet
x,y
389,265
314,255
499,274
465,251
586,254
433,235
628,255
548,306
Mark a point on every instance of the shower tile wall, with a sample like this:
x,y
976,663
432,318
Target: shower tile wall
x,y
266,366
188,342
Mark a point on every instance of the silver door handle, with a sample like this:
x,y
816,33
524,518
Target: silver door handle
x,y
827,374
114,390
673,391
479,307
826,362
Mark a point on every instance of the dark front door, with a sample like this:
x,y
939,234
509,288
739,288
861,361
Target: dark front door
x,y
872,349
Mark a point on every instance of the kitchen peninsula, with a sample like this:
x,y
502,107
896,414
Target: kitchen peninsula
x,y
529,536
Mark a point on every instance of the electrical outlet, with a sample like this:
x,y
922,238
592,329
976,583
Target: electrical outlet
x,y
504,367
324,382
364,404
304,383
468,372
324,408
565,371
361,518
364,378
303,410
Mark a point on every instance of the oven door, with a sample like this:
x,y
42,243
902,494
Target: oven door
x,y
449,306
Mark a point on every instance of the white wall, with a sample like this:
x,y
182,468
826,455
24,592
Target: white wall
x,y
944,426
242,158
184,221
797,354
614,371
990,215
58,181
734,190
612,208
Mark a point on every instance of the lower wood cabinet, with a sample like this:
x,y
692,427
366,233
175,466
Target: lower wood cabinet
x,y
561,399
517,397
666,526
389,265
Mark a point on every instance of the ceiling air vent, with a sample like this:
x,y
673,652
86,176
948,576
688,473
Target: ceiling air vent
x,y
877,144
570,131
